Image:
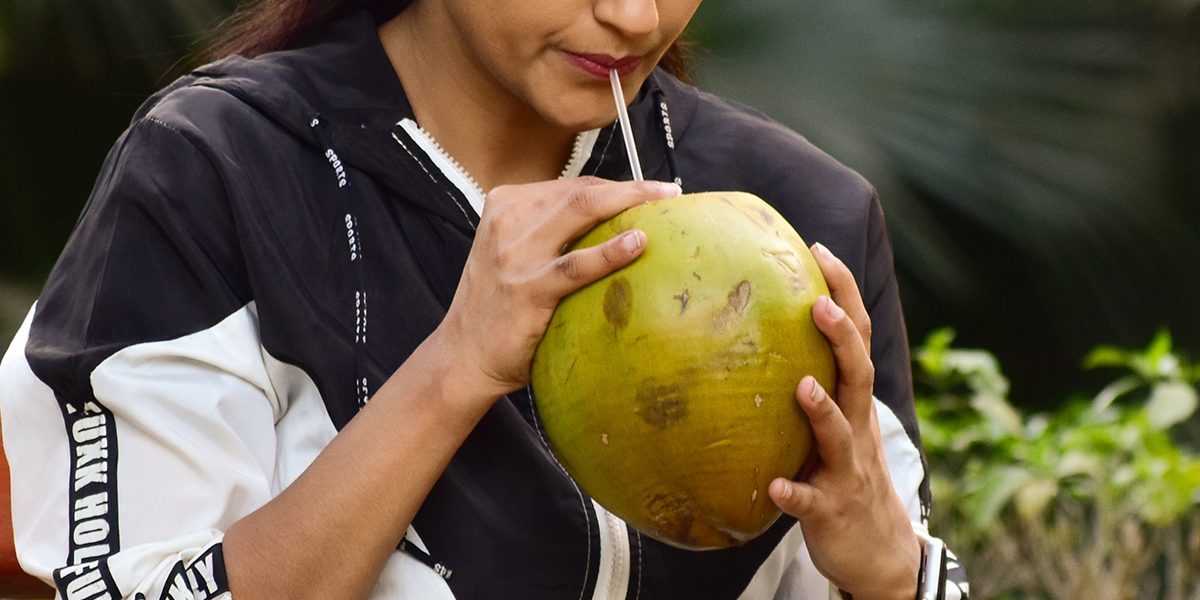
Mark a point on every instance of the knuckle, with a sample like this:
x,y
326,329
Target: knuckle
x,y
863,377
612,254
496,214
590,180
505,260
868,373
569,266
497,195
583,200
827,411
866,328
804,505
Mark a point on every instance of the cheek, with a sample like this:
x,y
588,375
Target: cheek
x,y
674,15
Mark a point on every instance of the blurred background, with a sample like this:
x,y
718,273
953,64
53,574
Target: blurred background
x,y
1039,163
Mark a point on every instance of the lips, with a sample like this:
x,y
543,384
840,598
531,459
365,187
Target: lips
x,y
598,65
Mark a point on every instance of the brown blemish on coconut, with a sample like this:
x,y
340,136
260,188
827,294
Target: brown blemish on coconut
x,y
740,297
604,438
617,301
759,222
735,305
697,276
791,266
695,253
766,215
758,400
661,406
683,300
672,514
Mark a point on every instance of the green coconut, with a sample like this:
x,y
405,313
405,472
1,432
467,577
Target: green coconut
x,y
667,389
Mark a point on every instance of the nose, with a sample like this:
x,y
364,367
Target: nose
x,y
630,17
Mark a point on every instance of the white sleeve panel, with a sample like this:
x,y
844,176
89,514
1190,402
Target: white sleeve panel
x,y
192,443
196,435
904,460
789,573
208,427
37,452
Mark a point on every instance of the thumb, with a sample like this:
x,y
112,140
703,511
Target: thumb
x,y
795,498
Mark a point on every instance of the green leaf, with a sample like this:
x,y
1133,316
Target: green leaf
x,y
1170,403
996,488
1115,390
998,412
1107,356
929,356
1034,496
1160,346
1079,463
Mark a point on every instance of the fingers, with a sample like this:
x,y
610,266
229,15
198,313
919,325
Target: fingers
x,y
856,373
584,206
831,431
576,269
794,498
844,291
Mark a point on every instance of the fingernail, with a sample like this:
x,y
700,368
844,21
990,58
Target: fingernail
x,y
806,388
631,240
781,489
818,392
835,312
821,249
666,189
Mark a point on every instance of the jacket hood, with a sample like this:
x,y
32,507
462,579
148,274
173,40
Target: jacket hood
x,y
342,79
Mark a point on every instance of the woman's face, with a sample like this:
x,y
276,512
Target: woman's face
x,y
554,56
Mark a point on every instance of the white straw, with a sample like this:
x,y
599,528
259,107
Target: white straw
x,y
635,165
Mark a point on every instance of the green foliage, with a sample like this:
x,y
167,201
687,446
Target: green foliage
x,y
1038,160
1099,488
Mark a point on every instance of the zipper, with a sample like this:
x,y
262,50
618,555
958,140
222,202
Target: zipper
x,y
445,163
581,150
611,526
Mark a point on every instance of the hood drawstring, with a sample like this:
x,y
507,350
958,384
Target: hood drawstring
x,y
660,100
362,389
354,240
351,203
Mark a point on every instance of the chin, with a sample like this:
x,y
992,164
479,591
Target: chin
x,y
581,114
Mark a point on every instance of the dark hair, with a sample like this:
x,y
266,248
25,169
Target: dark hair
x,y
267,25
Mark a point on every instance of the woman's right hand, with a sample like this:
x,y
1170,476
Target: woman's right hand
x,y
360,495
517,272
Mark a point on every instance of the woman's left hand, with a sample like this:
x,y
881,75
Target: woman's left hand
x,y
857,530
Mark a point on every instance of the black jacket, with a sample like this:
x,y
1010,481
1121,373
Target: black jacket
x,y
263,248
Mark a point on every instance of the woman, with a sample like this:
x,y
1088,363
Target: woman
x,y
277,240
